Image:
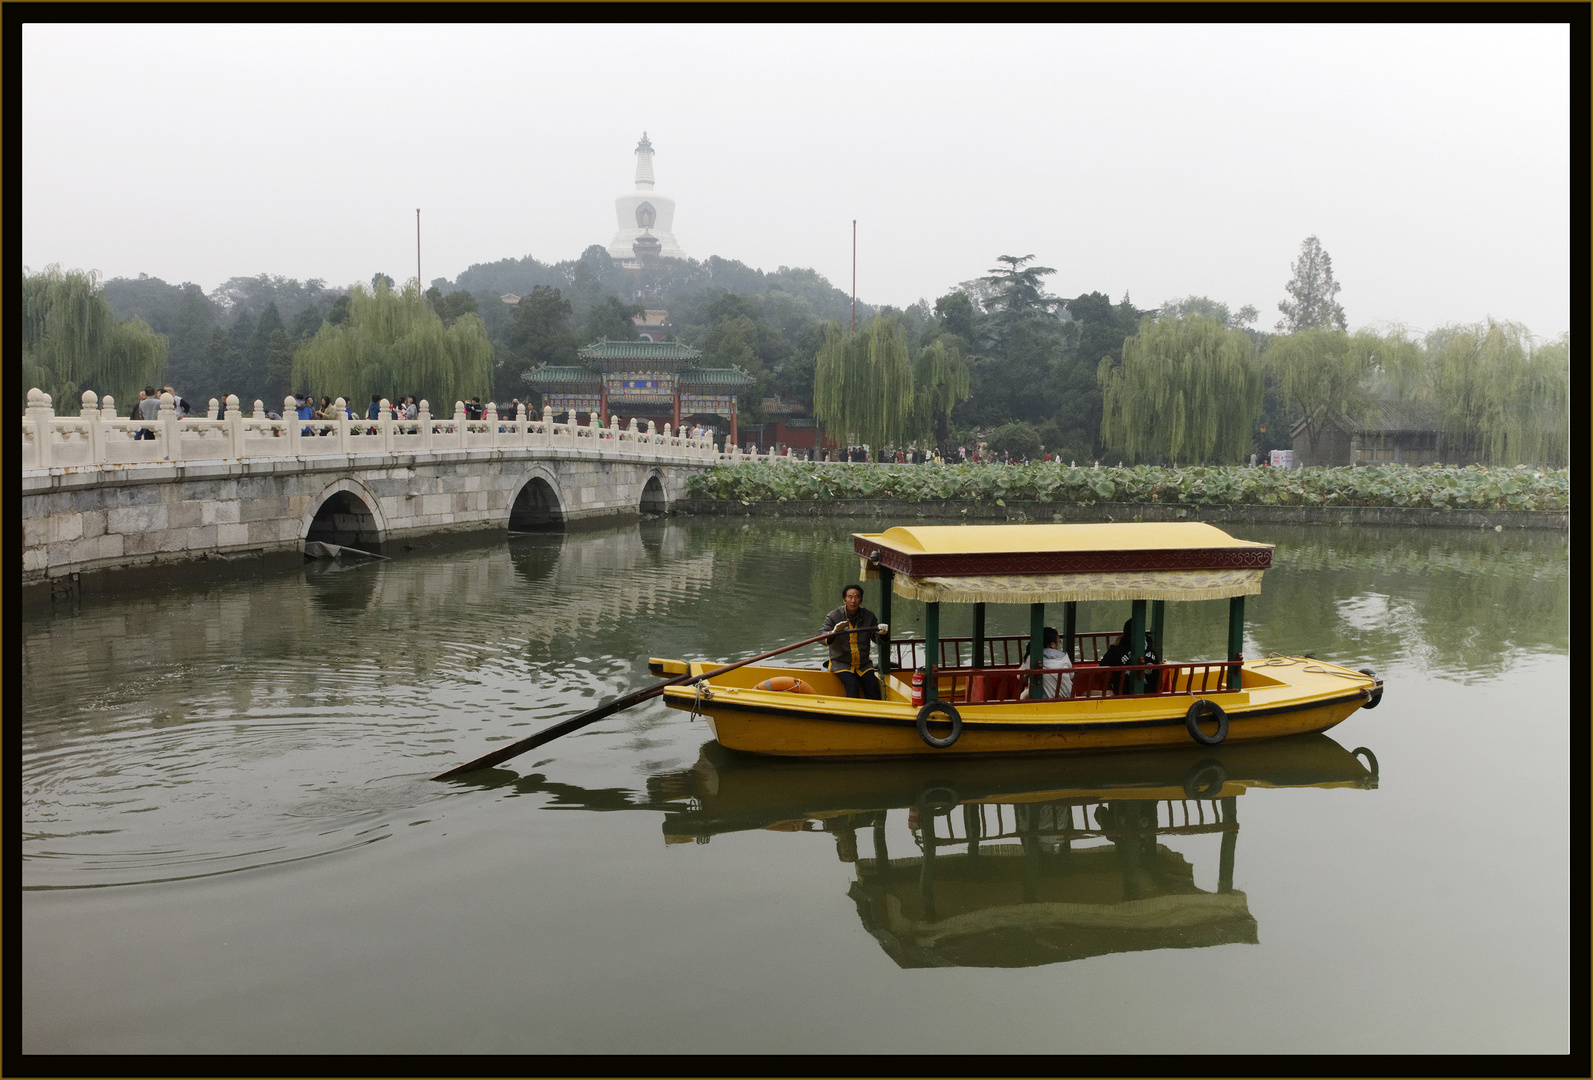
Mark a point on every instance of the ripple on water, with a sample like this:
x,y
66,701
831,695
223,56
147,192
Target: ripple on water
x,y
243,771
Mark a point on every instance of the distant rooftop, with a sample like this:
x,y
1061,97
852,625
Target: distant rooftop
x,y
1389,417
640,351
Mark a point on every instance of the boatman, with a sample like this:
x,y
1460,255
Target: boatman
x,y
849,659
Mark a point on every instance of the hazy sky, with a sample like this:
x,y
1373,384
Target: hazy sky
x,y
1432,161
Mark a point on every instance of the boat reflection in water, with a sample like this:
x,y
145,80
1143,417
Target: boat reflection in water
x,y
1015,862
1019,863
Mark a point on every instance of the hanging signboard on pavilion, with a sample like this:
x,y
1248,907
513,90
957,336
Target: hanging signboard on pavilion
x,y
719,404
640,388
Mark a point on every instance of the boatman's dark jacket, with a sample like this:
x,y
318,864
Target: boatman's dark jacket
x,y
849,652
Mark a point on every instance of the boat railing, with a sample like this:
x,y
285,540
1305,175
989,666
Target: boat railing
x,y
1008,683
1000,651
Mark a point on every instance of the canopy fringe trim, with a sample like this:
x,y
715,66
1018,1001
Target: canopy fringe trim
x,y
1061,588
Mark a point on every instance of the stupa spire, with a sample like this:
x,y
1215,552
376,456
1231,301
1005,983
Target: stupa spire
x,y
644,164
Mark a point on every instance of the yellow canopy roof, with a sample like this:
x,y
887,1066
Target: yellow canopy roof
x,y
1054,563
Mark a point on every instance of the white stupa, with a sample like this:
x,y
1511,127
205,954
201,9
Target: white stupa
x,y
644,215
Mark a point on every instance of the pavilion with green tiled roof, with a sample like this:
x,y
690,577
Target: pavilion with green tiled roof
x,y
656,379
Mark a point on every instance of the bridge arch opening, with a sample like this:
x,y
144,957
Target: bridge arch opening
x,y
344,518
536,508
653,501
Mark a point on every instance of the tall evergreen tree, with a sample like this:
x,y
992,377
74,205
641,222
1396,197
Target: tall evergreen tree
x,y
1313,305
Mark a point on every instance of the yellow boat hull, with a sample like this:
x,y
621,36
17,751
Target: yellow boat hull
x,y
1278,697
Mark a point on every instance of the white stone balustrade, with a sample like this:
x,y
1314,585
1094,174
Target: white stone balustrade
x,y
97,437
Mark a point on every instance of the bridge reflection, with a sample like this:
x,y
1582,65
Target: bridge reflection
x,y
1012,863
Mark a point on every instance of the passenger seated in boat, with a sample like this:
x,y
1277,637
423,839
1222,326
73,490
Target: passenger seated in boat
x,y
1121,654
849,653
1052,656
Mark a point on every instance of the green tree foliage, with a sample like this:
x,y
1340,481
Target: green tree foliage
x,y
254,294
956,314
1323,374
395,343
1188,389
72,341
1312,291
1019,341
611,319
1099,329
1018,296
1505,400
863,384
258,372
539,334
455,304
1188,306
1018,440
940,383
182,314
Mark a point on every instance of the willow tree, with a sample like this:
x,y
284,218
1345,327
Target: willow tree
x,y
1505,399
1189,389
863,384
1323,374
940,382
395,343
72,341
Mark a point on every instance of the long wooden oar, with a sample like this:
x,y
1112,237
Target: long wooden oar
x,y
546,735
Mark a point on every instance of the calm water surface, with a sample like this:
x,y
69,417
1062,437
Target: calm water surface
x,y
230,844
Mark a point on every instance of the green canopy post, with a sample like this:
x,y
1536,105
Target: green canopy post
x,y
1157,624
1236,637
931,651
979,636
1136,644
1036,646
885,577
1070,623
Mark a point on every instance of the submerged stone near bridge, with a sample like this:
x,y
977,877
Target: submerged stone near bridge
x,y
97,492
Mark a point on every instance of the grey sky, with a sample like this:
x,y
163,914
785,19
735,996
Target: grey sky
x,y
1432,161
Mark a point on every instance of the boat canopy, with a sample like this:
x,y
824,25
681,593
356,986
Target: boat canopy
x,y
1041,564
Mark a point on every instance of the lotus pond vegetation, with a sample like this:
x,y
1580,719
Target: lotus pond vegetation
x,y
1433,487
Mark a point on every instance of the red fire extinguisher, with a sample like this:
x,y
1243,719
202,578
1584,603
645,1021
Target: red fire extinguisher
x,y
918,687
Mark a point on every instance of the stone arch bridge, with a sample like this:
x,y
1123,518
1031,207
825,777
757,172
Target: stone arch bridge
x,y
101,491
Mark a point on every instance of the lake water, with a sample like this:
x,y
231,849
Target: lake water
x,y
230,845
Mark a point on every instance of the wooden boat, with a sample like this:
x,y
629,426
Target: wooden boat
x,y
976,695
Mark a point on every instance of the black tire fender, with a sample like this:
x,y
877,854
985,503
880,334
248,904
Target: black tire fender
x,y
950,712
1373,697
1205,710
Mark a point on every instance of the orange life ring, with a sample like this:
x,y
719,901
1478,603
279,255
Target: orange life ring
x,y
786,683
